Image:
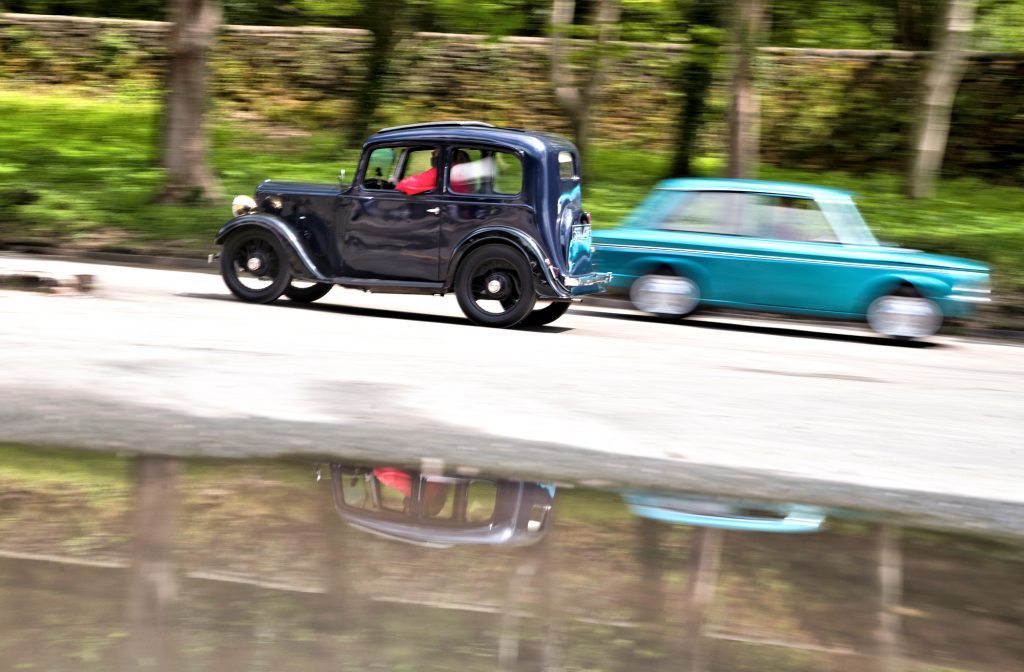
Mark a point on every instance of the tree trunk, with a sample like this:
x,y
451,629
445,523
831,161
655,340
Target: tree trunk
x,y
577,98
744,108
153,582
188,174
695,81
384,20
939,91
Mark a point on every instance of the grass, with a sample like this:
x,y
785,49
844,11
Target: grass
x,y
81,170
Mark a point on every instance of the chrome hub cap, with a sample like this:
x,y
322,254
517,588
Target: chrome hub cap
x,y
255,263
493,286
665,295
904,316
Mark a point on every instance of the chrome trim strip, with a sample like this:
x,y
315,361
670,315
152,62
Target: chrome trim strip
x,y
969,299
587,280
853,264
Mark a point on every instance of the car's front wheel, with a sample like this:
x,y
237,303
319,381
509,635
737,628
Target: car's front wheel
x,y
254,266
306,292
665,295
494,286
904,314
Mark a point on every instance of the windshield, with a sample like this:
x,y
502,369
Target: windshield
x,y
848,223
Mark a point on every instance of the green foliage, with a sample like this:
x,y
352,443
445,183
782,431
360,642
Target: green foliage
x,y
78,170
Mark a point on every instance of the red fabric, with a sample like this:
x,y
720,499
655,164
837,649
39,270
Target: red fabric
x,y
417,184
395,479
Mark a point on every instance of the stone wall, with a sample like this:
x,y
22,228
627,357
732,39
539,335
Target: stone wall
x,y
821,109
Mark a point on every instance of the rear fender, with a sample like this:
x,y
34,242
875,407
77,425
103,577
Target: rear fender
x,y
546,285
663,263
300,256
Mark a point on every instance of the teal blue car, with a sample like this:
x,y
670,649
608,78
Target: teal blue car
x,y
780,248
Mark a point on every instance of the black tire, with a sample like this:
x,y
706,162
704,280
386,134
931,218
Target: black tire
x,y
309,294
254,265
547,314
501,276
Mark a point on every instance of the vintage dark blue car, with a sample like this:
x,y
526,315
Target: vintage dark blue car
x,y
491,214
441,511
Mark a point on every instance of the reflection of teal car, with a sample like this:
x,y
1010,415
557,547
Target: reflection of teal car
x,y
775,247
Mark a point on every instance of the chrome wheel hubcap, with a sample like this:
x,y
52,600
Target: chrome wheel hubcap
x,y
904,316
665,295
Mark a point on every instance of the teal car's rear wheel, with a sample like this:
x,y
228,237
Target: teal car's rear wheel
x,y
904,314
665,295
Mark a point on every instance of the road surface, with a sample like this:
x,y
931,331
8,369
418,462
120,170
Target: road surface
x,y
158,361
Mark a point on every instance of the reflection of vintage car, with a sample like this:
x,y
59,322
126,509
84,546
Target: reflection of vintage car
x,y
495,216
785,248
441,511
728,515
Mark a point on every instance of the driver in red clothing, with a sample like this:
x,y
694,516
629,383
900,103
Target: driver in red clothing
x,y
421,182
427,180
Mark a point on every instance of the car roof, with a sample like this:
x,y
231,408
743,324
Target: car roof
x,y
762,186
533,143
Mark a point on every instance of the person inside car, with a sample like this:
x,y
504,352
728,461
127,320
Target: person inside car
x,y
427,180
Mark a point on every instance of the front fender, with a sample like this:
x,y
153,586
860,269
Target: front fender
x,y
302,260
929,287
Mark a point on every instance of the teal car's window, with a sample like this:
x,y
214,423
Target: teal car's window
x,y
785,218
476,171
700,212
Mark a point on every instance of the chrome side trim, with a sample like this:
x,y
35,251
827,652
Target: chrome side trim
x,y
767,257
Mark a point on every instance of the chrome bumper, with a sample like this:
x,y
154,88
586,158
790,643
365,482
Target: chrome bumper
x,y
586,280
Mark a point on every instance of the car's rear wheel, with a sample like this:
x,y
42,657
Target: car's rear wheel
x,y
665,295
494,286
254,266
547,314
904,314
306,292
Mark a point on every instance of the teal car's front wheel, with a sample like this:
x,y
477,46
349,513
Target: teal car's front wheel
x,y
904,314
665,295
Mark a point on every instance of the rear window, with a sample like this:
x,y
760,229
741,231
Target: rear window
x,y
566,165
484,171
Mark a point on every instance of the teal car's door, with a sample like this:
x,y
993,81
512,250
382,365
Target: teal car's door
x,y
799,262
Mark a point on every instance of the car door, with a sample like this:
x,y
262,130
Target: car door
x,y
387,234
799,261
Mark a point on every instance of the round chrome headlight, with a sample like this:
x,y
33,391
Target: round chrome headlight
x,y
242,205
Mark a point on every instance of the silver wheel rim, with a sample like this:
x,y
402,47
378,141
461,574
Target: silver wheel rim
x,y
665,295
904,316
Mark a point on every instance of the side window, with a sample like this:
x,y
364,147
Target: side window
x,y
786,218
485,171
388,166
567,166
381,167
701,212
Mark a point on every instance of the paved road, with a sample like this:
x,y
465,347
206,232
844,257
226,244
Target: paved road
x,y
167,362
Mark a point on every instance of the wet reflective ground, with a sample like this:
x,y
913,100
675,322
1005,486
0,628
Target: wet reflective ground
x,y
117,563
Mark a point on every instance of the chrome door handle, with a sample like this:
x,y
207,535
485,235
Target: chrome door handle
x,y
434,211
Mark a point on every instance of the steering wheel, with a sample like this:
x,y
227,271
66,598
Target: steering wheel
x,y
377,183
